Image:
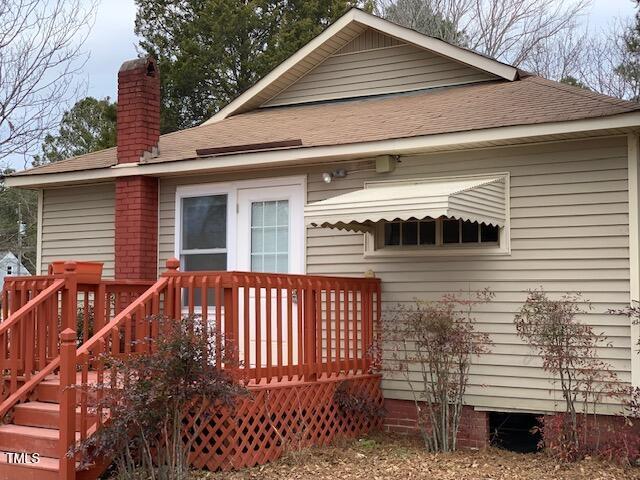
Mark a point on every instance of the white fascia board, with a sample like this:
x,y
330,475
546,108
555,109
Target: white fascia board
x,y
284,67
435,45
302,156
438,46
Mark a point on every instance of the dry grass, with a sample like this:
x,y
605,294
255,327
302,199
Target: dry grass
x,y
382,458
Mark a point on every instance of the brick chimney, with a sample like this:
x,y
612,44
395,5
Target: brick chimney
x,y
138,110
138,126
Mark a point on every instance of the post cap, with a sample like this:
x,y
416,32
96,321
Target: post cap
x,y
173,264
68,335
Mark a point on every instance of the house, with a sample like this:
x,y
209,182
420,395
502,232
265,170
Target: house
x,y
377,150
10,265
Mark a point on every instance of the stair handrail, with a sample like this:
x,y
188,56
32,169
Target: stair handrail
x,y
76,360
68,285
36,301
21,392
120,318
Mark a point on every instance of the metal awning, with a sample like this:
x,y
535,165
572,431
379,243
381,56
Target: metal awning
x,y
478,199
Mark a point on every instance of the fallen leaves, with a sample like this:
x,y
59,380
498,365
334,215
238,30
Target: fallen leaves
x,y
390,458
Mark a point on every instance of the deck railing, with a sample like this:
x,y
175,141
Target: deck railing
x,y
272,328
35,310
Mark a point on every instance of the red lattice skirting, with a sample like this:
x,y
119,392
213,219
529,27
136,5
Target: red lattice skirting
x,y
279,418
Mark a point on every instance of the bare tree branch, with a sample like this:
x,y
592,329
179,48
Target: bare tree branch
x,y
509,30
40,55
603,56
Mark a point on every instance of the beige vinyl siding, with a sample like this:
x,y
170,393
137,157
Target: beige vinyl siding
x,y
369,69
78,224
569,232
368,40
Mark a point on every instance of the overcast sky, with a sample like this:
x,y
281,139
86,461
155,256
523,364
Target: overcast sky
x,y
112,40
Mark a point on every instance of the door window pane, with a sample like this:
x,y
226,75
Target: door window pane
x,y
204,222
270,236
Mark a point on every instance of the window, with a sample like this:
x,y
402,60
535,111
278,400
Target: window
x,y
9,269
410,233
270,236
441,232
203,244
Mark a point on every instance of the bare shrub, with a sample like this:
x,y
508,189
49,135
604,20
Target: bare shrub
x,y
569,352
438,339
148,396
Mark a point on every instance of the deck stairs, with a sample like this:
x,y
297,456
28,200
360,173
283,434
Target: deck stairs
x,y
33,428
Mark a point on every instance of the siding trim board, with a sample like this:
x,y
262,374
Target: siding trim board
x,y
633,146
39,232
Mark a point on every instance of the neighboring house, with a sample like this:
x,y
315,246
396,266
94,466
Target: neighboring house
x,y
376,148
10,265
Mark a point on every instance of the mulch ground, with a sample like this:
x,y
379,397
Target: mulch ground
x,y
383,458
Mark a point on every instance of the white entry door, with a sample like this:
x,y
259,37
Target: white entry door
x,y
271,229
271,240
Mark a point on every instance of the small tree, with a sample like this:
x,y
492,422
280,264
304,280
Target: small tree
x,y
439,340
149,396
568,349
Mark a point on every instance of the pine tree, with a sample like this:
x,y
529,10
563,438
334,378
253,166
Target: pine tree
x,y
210,51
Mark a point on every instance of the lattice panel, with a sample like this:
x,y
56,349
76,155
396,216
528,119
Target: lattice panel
x,y
275,419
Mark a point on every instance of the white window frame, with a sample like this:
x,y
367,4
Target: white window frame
x,y
207,190
230,189
374,240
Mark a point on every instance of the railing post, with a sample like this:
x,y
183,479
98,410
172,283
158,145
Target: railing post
x,y
67,403
70,297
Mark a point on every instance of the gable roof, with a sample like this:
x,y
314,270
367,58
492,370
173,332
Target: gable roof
x,y
475,107
334,38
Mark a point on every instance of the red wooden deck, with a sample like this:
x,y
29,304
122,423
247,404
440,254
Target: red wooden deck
x,y
291,338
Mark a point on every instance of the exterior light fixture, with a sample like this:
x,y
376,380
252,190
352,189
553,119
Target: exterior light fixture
x,y
329,176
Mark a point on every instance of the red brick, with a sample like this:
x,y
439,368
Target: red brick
x,y
136,222
138,123
474,425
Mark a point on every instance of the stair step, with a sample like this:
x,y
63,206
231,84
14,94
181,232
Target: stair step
x,y
45,469
49,389
20,438
44,414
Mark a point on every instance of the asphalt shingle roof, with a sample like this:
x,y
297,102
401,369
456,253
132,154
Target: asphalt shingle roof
x,y
530,100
